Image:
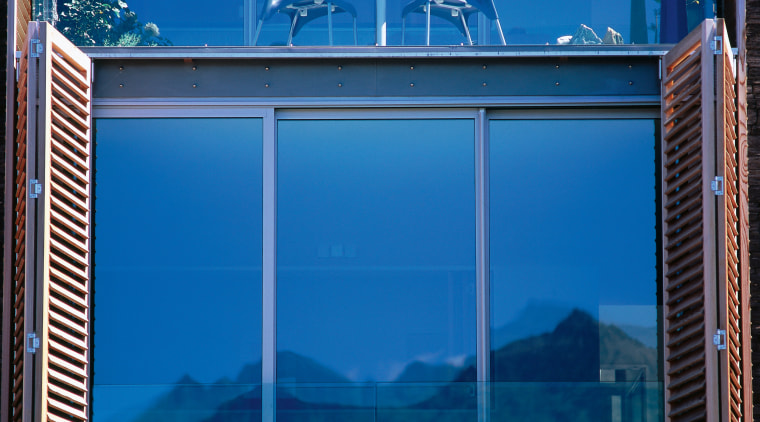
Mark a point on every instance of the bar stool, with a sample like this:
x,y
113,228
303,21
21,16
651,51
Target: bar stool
x,y
302,12
454,11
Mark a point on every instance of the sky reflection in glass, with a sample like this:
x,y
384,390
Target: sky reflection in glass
x,y
573,253
375,250
177,287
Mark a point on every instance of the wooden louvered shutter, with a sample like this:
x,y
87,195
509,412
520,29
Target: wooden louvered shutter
x,y
53,227
704,297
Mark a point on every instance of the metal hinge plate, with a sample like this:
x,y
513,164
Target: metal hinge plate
x,y
717,185
659,70
719,339
716,45
35,48
18,68
35,188
32,342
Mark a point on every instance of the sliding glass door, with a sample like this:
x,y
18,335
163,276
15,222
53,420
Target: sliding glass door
x,y
363,265
375,267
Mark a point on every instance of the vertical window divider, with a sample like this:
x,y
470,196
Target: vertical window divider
x,y
269,262
249,21
380,23
483,308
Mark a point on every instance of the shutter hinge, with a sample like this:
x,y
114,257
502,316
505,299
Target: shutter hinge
x,y
35,188
659,70
35,48
716,45
32,342
717,185
719,339
18,59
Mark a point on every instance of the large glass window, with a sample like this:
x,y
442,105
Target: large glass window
x,y
357,22
375,267
177,281
573,270
376,292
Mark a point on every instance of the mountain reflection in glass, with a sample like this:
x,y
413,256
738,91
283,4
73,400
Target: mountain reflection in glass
x,y
375,266
177,287
573,270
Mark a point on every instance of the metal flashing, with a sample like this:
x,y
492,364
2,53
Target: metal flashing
x,y
115,53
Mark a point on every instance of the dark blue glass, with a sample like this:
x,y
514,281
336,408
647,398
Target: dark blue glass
x,y
177,286
573,257
375,256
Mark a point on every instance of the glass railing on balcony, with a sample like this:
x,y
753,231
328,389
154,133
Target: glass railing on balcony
x,y
616,401
373,22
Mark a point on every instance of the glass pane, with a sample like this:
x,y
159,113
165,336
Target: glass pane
x,y
573,262
611,401
194,22
353,22
375,258
601,22
177,287
372,402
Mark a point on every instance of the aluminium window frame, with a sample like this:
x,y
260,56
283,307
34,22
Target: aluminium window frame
x,y
481,117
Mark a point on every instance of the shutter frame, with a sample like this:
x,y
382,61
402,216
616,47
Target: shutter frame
x,y
733,241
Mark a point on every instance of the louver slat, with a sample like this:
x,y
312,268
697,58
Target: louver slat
x,y
701,241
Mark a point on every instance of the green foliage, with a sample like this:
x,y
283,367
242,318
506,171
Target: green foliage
x,y
106,22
